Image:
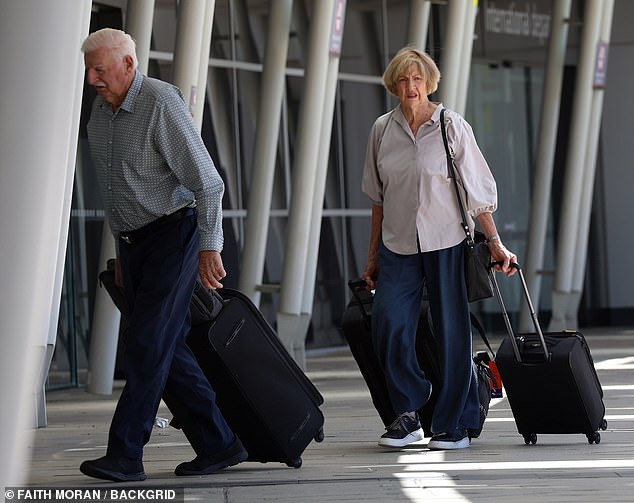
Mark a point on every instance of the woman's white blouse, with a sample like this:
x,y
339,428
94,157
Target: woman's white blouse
x,y
407,175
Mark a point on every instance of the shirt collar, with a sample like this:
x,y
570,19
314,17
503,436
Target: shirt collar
x,y
133,92
435,117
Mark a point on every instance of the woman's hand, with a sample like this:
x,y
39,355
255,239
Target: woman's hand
x,y
503,257
370,273
499,253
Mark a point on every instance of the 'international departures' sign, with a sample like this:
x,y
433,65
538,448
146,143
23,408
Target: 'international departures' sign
x,y
517,31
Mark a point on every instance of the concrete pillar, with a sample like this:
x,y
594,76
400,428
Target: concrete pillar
x,y
34,207
592,145
292,326
320,177
104,330
575,169
203,66
186,67
104,335
546,144
138,23
265,150
452,55
418,23
465,57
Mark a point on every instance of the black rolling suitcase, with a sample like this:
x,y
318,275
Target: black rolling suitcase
x,y
550,379
265,397
356,330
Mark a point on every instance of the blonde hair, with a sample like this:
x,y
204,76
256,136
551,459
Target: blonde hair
x,y
118,41
400,63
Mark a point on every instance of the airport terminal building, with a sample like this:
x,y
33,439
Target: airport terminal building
x,y
285,93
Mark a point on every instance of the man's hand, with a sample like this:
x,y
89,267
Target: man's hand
x,y
210,269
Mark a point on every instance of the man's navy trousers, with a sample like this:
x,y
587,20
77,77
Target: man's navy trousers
x,y
159,273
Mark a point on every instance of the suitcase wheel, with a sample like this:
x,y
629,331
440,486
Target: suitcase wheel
x,y
319,436
594,438
531,438
604,425
296,463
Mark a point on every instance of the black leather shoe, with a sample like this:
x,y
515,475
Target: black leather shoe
x,y
204,464
115,469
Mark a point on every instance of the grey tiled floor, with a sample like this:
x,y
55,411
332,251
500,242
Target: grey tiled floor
x,y
349,466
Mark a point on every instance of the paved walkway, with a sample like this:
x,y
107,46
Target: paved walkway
x,y
349,466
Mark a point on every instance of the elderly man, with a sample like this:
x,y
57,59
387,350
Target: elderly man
x,y
163,200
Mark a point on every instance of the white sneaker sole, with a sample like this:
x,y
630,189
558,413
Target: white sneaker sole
x,y
414,436
444,445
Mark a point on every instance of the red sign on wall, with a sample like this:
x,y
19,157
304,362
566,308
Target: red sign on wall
x,y
336,33
600,66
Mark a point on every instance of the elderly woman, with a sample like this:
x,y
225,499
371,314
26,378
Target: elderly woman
x,y
417,239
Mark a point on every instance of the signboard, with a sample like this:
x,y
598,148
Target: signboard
x,y
336,33
518,31
600,65
522,19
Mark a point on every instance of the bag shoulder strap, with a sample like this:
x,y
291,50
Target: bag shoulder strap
x,y
452,175
477,324
380,139
387,123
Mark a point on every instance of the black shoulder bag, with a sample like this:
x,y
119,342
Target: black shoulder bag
x,y
477,253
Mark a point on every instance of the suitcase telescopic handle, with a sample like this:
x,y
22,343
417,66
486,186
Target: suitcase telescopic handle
x,y
356,287
531,309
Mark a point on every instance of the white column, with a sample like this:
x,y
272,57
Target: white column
x,y
37,149
322,171
546,144
592,145
138,23
465,56
203,66
418,23
265,150
191,20
291,327
452,55
575,168
104,331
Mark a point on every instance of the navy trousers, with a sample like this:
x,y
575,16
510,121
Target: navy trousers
x,y
395,315
159,273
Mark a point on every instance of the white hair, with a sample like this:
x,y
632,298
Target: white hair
x,y
118,41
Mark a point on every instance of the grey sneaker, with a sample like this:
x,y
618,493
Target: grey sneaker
x,y
459,439
403,431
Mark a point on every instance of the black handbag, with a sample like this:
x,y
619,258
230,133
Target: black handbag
x,y
205,305
477,253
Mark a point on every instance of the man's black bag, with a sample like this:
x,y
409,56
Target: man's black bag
x,y
356,323
205,305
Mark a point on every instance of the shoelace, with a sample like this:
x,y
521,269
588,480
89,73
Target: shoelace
x,y
398,422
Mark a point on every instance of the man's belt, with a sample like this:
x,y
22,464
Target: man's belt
x,y
137,235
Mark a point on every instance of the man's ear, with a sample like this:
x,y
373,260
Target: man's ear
x,y
129,63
